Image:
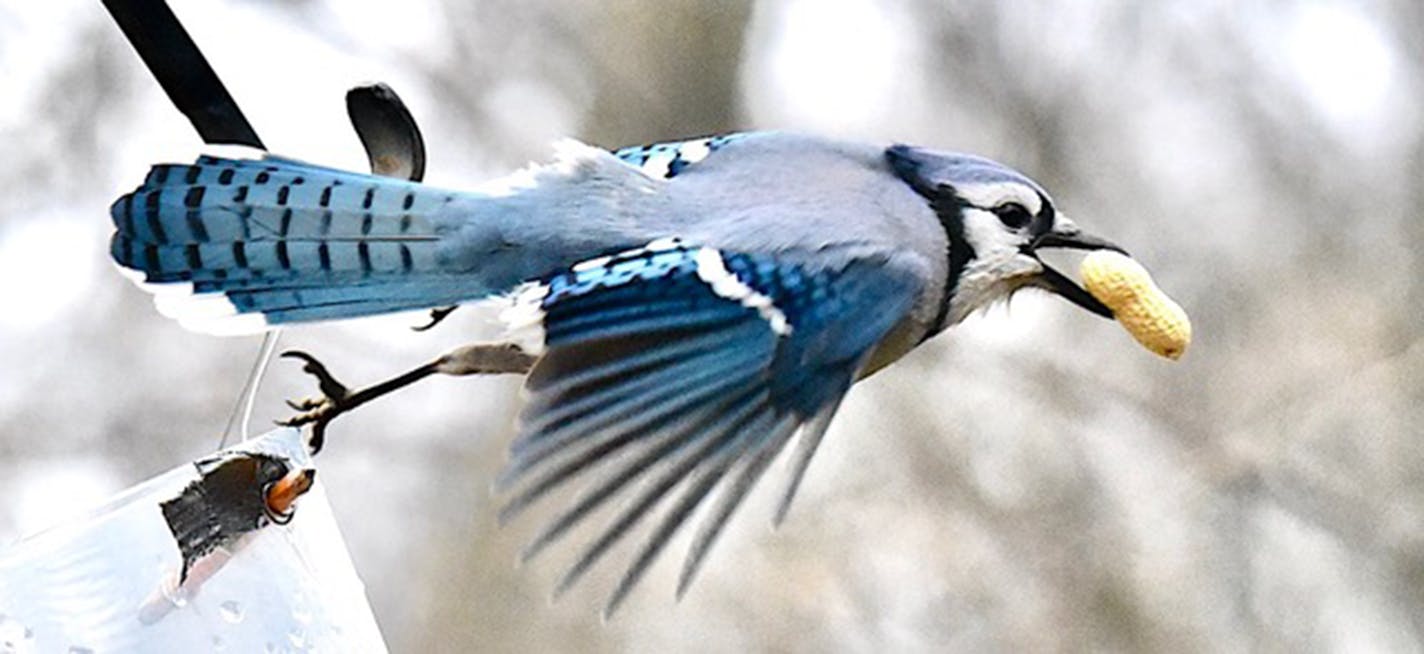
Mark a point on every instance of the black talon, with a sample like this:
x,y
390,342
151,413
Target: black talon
x,y
318,437
437,315
332,389
337,399
305,404
318,412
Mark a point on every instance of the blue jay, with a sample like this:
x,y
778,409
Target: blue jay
x,y
683,310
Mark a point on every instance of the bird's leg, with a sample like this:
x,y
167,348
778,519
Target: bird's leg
x,y
336,399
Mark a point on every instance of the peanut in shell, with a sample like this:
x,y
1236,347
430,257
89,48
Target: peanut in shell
x,y
1152,318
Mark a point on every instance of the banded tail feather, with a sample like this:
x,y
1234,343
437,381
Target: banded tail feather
x,y
242,244
235,245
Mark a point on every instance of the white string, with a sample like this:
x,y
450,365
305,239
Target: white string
x,y
241,415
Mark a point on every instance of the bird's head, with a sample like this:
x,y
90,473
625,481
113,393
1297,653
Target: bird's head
x,y
997,220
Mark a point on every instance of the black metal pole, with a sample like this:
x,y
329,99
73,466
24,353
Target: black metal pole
x,y
182,71
194,88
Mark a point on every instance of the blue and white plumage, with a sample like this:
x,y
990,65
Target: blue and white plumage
x,y
699,303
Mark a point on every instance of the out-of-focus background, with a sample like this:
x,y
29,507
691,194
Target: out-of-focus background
x,y
1031,480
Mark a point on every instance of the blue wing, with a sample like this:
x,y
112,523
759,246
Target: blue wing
x,y
685,369
669,159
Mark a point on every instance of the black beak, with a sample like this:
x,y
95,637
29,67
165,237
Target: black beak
x,y
1065,234
1076,240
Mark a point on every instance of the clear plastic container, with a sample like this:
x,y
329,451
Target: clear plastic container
x,y
107,582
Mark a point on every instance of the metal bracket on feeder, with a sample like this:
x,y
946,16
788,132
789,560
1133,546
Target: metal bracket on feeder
x,y
236,493
387,131
183,71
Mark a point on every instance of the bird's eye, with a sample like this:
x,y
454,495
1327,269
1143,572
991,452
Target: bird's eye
x,y
1013,215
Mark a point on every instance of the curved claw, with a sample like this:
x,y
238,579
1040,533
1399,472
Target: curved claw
x,y
304,404
317,411
329,386
336,399
437,315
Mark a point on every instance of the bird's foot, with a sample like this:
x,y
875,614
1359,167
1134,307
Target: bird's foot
x,y
336,399
317,411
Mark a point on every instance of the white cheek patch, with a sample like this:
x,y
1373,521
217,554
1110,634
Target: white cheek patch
x,y
988,236
990,195
997,269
